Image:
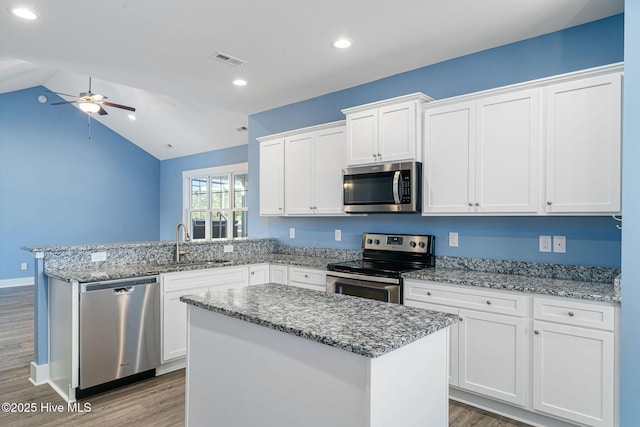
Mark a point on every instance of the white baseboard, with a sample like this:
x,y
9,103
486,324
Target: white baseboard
x,y
171,366
39,374
20,281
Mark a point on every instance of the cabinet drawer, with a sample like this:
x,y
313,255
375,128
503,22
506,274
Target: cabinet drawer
x,y
178,281
576,313
490,301
305,275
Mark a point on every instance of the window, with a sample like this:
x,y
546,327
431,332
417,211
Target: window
x,y
215,202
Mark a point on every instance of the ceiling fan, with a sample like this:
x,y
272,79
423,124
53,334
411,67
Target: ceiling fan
x,y
90,102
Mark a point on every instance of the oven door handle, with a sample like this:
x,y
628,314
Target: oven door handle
x,y
341,275
396,187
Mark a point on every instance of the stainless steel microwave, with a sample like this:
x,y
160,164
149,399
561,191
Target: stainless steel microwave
x,y
385,187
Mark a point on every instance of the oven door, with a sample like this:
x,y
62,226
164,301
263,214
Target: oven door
x,y
377,288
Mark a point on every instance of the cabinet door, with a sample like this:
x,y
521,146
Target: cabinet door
x,y
298,175
258,274
362,137
453,335
174,323
272,177
449,166
492,355
583,137
397,132
507,153
329,159
573,373
278,274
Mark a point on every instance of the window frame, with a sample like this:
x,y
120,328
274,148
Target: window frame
x,y
208,173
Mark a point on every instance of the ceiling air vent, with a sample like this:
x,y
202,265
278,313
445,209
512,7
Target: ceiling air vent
x,y
227,59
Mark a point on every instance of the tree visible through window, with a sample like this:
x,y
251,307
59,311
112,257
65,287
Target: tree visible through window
x,y
217,204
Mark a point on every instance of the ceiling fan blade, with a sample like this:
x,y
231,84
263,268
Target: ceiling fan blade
x,y
102,112
63,94
124,107
65,102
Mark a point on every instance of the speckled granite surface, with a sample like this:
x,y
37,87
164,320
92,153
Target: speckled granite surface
x,y
115,272
358,325
510,282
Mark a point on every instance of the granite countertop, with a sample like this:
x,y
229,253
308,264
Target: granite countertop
x,y
358,325
115,272
593,291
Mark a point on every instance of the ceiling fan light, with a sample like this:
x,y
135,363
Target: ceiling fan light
x,y
24,13
89,107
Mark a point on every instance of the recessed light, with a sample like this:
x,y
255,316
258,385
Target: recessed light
x,y
132,116
24,13
342,43
240,82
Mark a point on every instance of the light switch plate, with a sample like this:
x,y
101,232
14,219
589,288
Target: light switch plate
x,y
227,248
453,239
545,243
560,244
338,235
98,256
23,266
292,233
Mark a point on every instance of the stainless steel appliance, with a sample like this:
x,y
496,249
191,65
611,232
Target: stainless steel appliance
x,y
378,275
387,187
119,333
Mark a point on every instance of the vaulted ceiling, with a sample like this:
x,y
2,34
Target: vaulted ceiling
x,y
156,55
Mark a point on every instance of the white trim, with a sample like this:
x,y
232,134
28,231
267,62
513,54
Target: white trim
x,y
302,130
236,168
39,374
19,281
172,365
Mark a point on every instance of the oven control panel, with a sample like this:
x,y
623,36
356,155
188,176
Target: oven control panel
x,y
398,242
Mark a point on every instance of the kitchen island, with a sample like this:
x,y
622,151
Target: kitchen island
x,y
275,355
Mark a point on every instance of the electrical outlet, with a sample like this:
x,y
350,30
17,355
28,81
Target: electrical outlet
x,y
23,266
560,244
292,233
98,256
453,239
227,248
545,243
338,235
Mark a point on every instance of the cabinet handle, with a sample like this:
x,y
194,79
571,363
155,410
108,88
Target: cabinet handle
x,y
375,155
549,203
379,155
477,204
488,302
253,272
470,204
306,276
571,314
460,319
429,294
537,332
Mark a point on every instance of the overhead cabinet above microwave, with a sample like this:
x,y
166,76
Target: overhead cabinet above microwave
x,y
385,131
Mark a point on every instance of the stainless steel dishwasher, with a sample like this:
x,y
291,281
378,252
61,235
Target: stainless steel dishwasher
x,y
119,333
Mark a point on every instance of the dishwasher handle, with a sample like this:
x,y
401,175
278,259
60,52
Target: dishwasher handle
x,y
119,286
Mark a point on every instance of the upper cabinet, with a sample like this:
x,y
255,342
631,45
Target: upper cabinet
x,y
544,147
482,156
385,131
583,142
301,171
272,176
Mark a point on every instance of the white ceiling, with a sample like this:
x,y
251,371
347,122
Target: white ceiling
x,y
154,54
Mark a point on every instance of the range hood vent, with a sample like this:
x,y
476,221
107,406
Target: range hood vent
x,y
227,59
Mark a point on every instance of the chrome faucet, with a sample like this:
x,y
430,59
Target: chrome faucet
x,y
179,252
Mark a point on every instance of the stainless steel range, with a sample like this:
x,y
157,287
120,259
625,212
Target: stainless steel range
x,y
378,275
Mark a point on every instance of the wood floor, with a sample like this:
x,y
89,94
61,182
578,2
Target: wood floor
x,y
155,402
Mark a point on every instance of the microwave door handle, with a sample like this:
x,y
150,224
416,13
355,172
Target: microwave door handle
x,y
396,187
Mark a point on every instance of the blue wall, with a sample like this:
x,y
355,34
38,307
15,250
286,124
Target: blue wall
x,y
590,240
171,182
630,352
59,187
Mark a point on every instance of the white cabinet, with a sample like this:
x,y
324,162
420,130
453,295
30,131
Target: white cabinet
x,y
583,145
385,131
258,274
272,176
573,362
481,156
278,274
488,349
308,278
313,171
174,312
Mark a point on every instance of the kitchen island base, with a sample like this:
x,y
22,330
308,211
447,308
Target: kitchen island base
x,y
243,374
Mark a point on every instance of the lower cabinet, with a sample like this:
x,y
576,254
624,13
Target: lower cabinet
x,y
258,274
278,274
552,356
308,278
174,312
